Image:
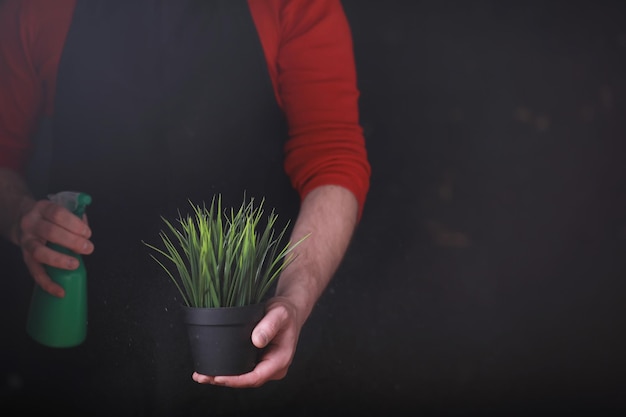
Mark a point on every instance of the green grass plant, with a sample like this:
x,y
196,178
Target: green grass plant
x,y
223,257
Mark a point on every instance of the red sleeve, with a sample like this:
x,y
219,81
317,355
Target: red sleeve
x,y
32,34
308,46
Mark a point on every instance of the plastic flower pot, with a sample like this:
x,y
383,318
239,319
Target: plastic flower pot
x,y
220,338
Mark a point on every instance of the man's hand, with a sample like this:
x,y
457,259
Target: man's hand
x,y
277,333
42,222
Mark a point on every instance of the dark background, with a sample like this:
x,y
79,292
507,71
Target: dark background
x,y
487,274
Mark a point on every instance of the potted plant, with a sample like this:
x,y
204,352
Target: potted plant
x,y
223,263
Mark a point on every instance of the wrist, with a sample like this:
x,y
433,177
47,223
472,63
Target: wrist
x,y
15,201
301,292
22,206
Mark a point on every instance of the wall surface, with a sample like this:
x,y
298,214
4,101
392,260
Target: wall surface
x,y
487,274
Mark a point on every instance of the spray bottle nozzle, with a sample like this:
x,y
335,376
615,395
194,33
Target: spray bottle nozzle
x,y
74,201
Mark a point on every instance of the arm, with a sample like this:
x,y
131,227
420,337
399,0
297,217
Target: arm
x,y
329,213
30,224
15,199
327,163
30,47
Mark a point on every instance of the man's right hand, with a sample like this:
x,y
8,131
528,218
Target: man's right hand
x,y
45,222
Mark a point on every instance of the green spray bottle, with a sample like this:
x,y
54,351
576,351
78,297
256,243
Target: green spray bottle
x,y
62,322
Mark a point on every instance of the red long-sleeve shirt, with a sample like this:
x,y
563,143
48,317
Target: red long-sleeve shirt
x,y
308,48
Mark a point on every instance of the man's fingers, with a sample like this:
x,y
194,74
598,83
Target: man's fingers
x,y
36,251
266,370
51,222
202,379
42,279
59,215
269,326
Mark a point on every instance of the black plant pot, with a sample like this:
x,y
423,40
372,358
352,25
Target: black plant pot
x,y
220,338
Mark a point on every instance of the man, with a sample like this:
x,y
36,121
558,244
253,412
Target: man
x,y
145,104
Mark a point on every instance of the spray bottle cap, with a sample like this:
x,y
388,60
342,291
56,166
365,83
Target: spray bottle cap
x,y
74,201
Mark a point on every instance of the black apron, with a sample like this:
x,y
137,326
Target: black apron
x,y
158,102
